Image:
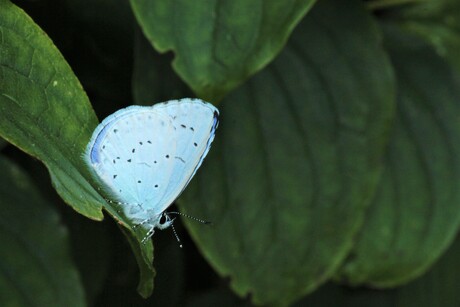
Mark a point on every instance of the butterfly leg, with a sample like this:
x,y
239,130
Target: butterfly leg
x,y
142,222
148,235
119,203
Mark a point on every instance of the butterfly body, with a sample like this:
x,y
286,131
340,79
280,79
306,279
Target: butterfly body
x,y
145,156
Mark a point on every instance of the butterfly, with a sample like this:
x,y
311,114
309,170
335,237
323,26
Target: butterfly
x,y
145,156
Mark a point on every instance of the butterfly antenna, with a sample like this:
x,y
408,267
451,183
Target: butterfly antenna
x,y
191,217
175,234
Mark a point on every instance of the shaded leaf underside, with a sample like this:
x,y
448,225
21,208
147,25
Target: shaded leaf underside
x,y
296,159
414,215
36,267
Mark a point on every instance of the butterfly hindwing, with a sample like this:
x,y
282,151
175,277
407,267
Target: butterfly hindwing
x,y
195,124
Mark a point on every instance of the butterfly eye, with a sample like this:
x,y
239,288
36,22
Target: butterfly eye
x,y
163,219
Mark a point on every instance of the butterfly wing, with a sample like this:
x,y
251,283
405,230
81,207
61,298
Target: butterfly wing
x,y
146,156
195,123
131,153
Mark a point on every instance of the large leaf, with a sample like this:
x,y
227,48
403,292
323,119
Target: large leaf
x,y
45,112
35,268
438,287
219,43
436,21
415,213
296,158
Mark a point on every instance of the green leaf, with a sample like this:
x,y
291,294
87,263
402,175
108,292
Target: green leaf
x,y
46,113
438,287
219,44
44,109
436,21
296,158
415,213
36,268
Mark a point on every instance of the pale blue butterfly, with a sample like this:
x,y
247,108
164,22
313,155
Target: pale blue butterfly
x,y
145,156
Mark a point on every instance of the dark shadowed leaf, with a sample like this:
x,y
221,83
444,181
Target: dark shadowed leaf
x,y
296,158
170,279
3,143
219,43
92,247
438,287
35,267
415,213
218,297
46,113
436,21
